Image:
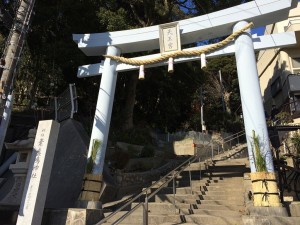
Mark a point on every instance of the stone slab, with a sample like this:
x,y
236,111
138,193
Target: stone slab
x,y
273,220
69,166
38,176
268,211
84,216
14,195
184,147
295,209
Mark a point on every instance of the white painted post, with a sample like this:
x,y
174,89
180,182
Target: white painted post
x,y
5,119
252,105
38,175
104,109
72,100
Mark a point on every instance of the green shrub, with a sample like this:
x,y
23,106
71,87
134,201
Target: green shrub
x,y
284,118
260,162
91,161
133,152
135,136
295,139
148,151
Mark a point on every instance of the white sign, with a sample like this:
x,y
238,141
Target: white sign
x,y
36,185
169,38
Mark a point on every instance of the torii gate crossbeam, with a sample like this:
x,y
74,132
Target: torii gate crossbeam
x,y
261,12
260,42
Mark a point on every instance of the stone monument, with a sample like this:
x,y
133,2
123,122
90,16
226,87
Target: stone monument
x,y
38,175
20,168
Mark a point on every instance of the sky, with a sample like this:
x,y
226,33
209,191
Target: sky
x,y
259,30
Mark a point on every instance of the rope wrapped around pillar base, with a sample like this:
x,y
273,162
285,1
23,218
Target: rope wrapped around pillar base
x,y
265,190
92,184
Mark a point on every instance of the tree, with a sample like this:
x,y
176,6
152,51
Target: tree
x,y
51,58
162,100
126,14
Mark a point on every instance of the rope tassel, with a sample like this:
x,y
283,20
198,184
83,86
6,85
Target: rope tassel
x,y
170,65
203,60
142,72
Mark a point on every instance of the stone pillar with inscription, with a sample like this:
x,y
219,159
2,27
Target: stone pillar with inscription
x,y
38,175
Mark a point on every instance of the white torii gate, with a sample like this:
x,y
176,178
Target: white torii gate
x,y
224,22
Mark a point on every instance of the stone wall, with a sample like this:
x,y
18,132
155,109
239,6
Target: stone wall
x,y
133,182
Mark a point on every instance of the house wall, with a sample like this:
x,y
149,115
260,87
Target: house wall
x,y
274,65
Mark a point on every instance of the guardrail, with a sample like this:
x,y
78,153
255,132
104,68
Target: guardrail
x,y
65,104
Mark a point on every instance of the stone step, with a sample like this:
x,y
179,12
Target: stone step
x,y
155,205
220,202
228,162
229,197
204,177
165,208
211,220
237,161
152,218
155,219
198,191
210,212
179,223
208,193
226,174
218,188
197,165
187,183
239,208
223,169
167,223
274,220
183,199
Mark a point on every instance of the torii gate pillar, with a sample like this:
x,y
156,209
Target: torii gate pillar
x,y
252,105
104,109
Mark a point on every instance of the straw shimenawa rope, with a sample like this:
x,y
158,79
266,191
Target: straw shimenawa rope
x,y
195,52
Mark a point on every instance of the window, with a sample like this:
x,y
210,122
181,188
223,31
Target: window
x,y
295,103
296,65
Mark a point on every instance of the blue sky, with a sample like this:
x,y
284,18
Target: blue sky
x,y
259,30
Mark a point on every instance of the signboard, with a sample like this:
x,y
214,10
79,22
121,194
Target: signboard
x,y
169,38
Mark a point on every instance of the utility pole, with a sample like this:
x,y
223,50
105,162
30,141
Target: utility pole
x,y
14,46
203,127
15,43
222,90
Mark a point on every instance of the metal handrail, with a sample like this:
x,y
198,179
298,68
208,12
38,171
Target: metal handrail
x,y
165,181
242,132
174,173
233,137
237,135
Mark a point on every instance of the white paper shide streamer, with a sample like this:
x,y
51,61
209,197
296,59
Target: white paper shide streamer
x,y
171,65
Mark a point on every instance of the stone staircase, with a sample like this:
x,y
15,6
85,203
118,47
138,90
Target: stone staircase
x,y
215,196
